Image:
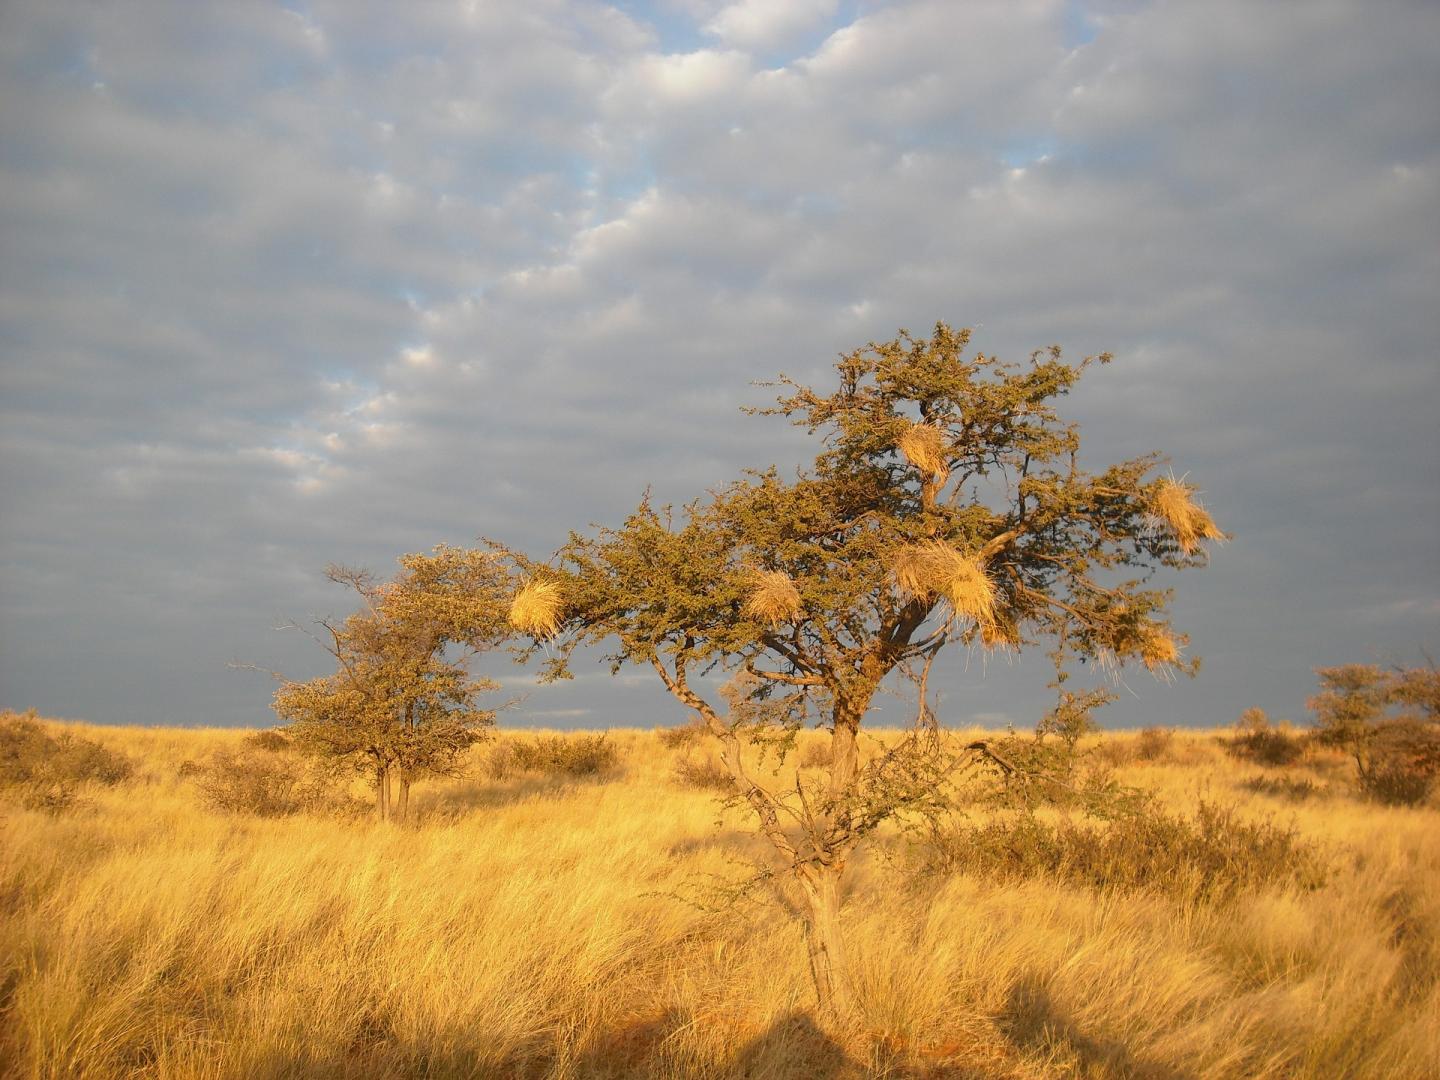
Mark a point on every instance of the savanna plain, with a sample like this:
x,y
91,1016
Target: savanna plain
x,y
562,909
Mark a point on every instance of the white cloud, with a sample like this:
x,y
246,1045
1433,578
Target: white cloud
x,y
759,25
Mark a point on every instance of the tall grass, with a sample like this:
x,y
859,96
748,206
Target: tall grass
x,y
528,926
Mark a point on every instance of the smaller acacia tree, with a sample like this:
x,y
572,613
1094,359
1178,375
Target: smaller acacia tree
x,y
401,703
1388,721
946,504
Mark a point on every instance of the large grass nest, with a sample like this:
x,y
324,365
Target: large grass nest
x,y
1173,503
538,609
1158,649
934,568
924,447
774,599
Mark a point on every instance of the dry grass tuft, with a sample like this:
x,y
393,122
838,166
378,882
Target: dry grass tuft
x,y
537,609
1173,502
924,447
934,568
774,598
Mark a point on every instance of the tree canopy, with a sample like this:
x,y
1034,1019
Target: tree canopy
x,y
401,702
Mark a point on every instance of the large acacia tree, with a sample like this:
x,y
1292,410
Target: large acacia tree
x,y
946,504
401,702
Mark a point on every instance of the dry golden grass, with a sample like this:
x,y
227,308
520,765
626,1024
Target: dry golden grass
x,y
525,927
774,599
537,609
1173,502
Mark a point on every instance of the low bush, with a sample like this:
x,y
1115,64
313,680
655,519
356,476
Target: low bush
x,y
1256,741
266,784
1295,789
31,756
1396,784
677,738
1153,743
706,773
270,740
567,755
816,755
1211,855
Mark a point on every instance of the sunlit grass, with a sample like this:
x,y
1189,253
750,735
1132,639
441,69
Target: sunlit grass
x,y
529,926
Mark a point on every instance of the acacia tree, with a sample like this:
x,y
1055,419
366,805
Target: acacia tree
x,y
1388,721
401,703
946,504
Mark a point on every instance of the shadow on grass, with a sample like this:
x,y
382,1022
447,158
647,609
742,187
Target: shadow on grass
x,y
1033,1021
458,800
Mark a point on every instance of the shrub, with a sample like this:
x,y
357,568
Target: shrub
x,y
1296,789
1209,856
30,755
264,784
1396,784
569,755
677,738
1256,741
1153,743
815,756
706,773
270,740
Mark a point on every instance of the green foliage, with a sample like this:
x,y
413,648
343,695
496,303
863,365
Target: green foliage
x,y
1210,856
946,503
1388,721
401,700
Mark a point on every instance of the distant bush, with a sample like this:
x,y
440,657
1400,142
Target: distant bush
x,y
1296,789
268,740
1388,721
677,738
568,755
1211,855
1153,743
265,784
32,758
1255,740
1396,785
815,756
706,773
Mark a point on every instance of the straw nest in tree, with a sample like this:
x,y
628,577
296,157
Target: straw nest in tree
x,y
934,568
1173,502
924,447
1157,647
537,609
774,599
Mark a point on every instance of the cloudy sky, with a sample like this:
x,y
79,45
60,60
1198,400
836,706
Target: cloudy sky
x,y
331,280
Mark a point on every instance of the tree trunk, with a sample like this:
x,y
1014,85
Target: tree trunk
x,y
823,939
844,749
382,803
402,810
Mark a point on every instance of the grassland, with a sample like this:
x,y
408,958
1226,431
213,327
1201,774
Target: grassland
x,y
528,926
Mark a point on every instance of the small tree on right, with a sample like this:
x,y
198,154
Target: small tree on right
x,y
946,503
1388,721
